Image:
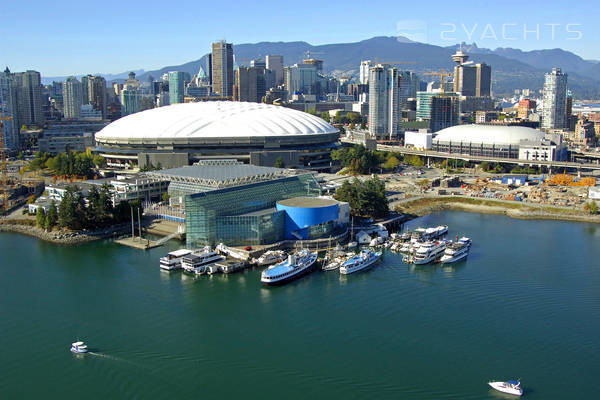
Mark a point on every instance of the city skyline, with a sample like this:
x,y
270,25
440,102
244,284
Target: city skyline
x,y
75,49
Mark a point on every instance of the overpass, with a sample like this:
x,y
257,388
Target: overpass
x,y
593,167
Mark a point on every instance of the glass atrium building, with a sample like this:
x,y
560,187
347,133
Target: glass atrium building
x,y
243,215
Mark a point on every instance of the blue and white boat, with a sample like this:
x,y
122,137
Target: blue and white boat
x,y
296,265
79,347
362,260
510,387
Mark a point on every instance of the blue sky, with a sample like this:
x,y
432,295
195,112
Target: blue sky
x,y
63,38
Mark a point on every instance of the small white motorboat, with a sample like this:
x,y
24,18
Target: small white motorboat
x,y
79,347
510,387
352,245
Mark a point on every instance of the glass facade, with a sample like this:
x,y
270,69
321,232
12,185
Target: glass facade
x,y
221,216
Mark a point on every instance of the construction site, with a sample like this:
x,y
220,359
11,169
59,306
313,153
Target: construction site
x,y
15,189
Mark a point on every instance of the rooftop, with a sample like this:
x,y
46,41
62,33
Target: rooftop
x,y
308,202
220,176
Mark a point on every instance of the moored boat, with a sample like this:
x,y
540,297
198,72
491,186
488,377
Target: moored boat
x,y
172,261
429,251
294,267
197,261
270,257
361,261
510,387
456,251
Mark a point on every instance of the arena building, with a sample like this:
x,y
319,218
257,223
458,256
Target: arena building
x,y
253,133
499,141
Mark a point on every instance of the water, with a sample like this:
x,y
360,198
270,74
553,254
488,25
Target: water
x,y
526,304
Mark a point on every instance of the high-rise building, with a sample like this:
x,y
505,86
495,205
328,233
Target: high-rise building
x,y
222,69
245,88
130,100
29,97
275,64
97,96
384,110
471,79
72,98
365,66
176,87
258,63
554,112
317,63
444,112
208,68
526,107
85,81
8,109
301,78
409,84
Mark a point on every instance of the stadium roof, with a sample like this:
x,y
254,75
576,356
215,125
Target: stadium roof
x,y
215,119
488,134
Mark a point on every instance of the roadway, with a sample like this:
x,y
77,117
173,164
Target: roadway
x,y
479,159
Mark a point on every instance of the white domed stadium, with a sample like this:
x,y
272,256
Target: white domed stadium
x,y
498,141
251,132
489,134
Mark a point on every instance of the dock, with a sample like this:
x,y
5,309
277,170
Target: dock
x,y
139,243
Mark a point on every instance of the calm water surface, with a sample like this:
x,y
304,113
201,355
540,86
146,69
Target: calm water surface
x,y
526,304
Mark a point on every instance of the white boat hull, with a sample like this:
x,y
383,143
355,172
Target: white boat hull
x,y
506,388
360,267
453,259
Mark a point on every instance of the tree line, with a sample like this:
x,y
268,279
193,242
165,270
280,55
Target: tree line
x,y
366,198
69,163
75,212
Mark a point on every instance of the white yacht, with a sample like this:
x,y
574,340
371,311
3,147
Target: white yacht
x,y
172,261
510,387
270,257
429,251
441,230
197,261
352,244
295,266
79,347
456,251
361,261
417,235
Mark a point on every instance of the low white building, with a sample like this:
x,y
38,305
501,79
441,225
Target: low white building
x,y
594,193
419,140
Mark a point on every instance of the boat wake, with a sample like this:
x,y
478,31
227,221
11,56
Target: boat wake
x,y
118,359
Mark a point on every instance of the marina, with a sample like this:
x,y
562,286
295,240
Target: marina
x,y
156,330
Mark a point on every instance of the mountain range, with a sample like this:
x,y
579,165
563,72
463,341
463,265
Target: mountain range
x,y
511,68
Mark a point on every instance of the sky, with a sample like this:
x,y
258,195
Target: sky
x,y
61,38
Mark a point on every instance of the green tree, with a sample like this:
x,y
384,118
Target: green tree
x,y
392,163
165,197
40,218
279,162
365,198
99,161
51,217
593,208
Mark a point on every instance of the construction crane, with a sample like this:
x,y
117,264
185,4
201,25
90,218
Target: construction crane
x,y
441,75
4,169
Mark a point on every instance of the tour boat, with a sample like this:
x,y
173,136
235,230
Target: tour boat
x,y
270,257
429,251
197,261
361,261
456,251
172,261
79,347
295,266
510,387
405,236
417,235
